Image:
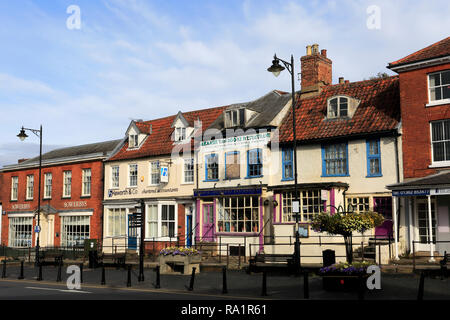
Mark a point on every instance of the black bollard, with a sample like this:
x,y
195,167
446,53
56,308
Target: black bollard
x,y
39,278
4,269
360,287
158,278
421,286
306,285
264,284
81,273
191,285
21,271
129,276
58,277
224,286
103,276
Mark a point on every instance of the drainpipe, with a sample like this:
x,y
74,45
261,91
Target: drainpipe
x,y
396,224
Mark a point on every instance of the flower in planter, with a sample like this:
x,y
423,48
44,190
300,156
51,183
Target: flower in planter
x,y
179,251
342,268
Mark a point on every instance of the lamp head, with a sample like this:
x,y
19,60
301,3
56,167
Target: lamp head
x,y
22,135
275,68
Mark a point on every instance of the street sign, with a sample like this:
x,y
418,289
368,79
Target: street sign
x,y
37,229
295,206
164,174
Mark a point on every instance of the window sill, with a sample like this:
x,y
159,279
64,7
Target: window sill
x,y
441,164
337,175
47,198
211,180
438,103
70,197
254,177
287,179
228,179
236,233
85,197
374,176
31,199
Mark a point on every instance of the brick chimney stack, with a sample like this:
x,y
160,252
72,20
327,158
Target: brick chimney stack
x,y
315,69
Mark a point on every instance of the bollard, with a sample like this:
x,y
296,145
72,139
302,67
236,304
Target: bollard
x,y
103,276
421,286
4,269
21,271
191,285
39,278
81,273
360,287
158,278
306,285
129,276
224,283
264,284
58,277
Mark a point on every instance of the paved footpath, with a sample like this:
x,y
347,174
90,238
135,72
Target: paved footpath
x,y
207,285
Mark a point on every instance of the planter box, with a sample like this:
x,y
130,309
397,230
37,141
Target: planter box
x,y
169,263
342,282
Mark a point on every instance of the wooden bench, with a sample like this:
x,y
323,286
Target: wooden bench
x,y
444,262
263,261
50,258
113,260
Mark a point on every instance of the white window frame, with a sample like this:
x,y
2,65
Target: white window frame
x,y
20,242
338,109
308,199
440,101
133,141
231,210
129,175
185,163
76,221
360,203
86,183
160,222
48,185
154,173
14,188
67,184
115,179
180,134
30,187
122,219
434,163
229,119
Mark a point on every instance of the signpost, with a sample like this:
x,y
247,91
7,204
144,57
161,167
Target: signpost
x,y
137,219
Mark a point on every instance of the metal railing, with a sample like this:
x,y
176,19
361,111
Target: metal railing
x,y
414,253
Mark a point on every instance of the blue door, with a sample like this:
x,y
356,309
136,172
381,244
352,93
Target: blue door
x,y
188,231
132,235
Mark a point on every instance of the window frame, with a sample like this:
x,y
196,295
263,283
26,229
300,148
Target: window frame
x,y
27,235
68,239
86,182
155,173
240,117
14,188
284,163
160,221
113,180
239,159
324,167
29,194
180,134
440,163
307,199
135,139
338,107
440,101
373,157
258,157
191,163
122,219
48,186
207,158
67,186
129,175
230,205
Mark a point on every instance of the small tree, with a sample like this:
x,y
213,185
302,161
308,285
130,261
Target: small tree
x,y
345,224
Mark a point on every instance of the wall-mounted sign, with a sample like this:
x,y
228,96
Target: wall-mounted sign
x,y
20,206
303,230
126,192
409,193
160,190
164,174
75,204
324,195
259,139
439,191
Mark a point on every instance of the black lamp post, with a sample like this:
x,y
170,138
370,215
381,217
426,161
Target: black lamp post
x,y
276,68
22,135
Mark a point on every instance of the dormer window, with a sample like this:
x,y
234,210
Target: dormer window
x,y
180,134
133,141
235,117
337,107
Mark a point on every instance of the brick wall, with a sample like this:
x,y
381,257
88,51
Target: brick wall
x,y
416,119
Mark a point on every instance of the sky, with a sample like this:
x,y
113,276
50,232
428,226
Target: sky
x,y
84,74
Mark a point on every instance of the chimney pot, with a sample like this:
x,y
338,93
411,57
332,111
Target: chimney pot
x,y
308,50
315,48
347,81
323,52
341,80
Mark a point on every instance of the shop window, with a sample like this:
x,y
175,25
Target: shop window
x,y
310,204
238,214
74,230
20,231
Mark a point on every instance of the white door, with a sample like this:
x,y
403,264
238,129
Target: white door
x,y
422,224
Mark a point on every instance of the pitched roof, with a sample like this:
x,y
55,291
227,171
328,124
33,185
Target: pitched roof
x,y
436,50
378,111
99,149
441,179
267,108
160,142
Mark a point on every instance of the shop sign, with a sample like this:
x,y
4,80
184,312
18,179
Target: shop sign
x,y
20,206
411,193
75,204
440,191
259,139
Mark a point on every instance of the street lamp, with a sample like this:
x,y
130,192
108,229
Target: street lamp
x,y
22,135
276,68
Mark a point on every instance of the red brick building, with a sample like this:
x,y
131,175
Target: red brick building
x,y
71,197
424,78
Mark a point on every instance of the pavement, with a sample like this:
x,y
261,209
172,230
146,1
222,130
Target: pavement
x,y
206,286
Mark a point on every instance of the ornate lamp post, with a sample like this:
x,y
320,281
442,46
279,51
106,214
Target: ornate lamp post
x,y
22,135
276,68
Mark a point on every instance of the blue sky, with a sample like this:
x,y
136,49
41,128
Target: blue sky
x,y
136,59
